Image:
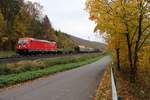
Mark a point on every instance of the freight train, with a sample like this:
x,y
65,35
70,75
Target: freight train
x,y
84,49
27,46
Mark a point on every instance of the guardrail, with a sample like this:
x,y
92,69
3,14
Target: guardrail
x,y
114,91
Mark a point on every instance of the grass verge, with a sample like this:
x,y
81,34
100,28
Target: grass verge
x,y
30,74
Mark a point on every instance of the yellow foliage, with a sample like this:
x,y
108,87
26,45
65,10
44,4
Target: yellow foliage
x,y
21,23
119,19
144,56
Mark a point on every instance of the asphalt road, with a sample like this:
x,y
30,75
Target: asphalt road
x,y
76,84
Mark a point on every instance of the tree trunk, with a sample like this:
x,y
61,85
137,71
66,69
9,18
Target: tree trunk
x,y
118,58
129,55
137,46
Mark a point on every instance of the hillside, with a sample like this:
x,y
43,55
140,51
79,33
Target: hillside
x,y
79,41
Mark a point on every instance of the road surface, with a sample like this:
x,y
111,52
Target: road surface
x,y
76,84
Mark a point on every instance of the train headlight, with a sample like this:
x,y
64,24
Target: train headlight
x,y
19,46
24,46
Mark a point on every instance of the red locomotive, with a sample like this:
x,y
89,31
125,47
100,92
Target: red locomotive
x,y
35,46
29,46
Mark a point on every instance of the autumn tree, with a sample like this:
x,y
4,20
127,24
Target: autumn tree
x,y
9,10
2,26
129,19
21,23
48,30
2,23
34,9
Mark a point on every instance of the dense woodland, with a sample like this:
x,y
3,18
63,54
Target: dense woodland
x,y
26,19
126,26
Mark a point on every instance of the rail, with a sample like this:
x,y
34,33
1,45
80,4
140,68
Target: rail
x,y
113,83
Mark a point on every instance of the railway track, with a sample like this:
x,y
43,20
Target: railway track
x,y
17,58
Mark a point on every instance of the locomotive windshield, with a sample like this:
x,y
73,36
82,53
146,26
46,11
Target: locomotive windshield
x,y
22,42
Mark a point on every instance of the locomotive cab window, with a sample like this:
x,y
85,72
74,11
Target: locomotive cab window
x,y
23,42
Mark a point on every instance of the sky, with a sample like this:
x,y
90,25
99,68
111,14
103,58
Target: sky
x,y
70,17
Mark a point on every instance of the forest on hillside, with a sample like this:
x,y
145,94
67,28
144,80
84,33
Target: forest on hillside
x,y
26,19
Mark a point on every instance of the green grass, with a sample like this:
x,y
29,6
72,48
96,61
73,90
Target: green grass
x,y
23,66
51,66
7,53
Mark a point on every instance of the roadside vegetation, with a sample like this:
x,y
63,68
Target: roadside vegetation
x,y
126,27
28,70
125,89
138,90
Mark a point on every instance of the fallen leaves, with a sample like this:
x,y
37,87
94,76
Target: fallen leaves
x,y
104,89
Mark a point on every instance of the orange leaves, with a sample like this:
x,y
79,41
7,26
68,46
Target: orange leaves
x,y
92,17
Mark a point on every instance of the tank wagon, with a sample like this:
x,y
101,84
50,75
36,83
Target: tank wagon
x,y
84,49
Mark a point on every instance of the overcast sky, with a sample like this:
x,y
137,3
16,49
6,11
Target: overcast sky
x,y
69,16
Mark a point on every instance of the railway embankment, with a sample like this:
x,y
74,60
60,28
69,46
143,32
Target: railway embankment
x,y
22,71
